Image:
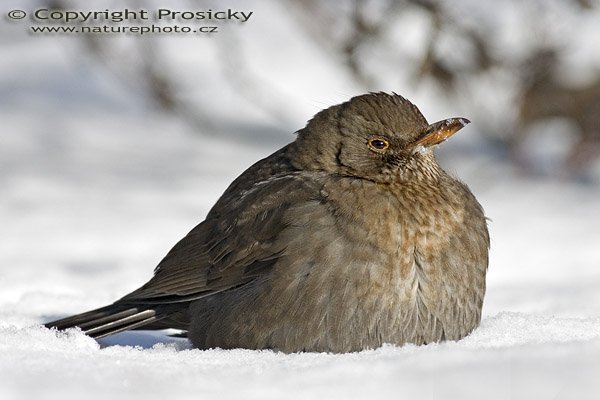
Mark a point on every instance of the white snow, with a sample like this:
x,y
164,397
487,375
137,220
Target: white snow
x,y
96,186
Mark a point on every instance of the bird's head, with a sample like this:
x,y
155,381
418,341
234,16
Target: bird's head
x,y
378,136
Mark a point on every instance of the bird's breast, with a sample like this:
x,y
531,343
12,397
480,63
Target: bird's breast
x,y
410,260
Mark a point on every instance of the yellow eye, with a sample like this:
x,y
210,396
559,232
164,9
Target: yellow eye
x,y
378,144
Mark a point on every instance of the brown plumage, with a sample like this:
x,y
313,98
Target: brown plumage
x,y
350,237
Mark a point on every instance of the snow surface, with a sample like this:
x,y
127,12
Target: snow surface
x,y
96,186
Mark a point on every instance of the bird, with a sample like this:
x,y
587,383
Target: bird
x,y
348,238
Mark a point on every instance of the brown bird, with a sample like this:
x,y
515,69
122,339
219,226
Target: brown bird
x,y
350,237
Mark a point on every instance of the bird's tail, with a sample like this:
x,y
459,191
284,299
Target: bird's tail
x,y
117,318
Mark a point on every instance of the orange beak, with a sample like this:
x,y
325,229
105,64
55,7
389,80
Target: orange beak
x,y
437,132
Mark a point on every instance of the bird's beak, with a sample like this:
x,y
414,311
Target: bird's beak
x,y
438,132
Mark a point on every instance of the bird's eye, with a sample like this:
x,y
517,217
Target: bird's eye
x,y
379,145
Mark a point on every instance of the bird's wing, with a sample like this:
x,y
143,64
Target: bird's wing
x,y
231,247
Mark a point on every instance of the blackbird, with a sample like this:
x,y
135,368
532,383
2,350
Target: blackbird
x,y
349,237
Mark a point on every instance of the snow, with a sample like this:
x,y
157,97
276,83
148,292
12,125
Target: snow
x,y
96,186
512,355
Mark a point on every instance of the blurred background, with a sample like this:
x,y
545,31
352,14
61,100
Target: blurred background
x,y
114,145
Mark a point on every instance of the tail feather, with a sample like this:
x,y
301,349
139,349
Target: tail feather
x,y
115,318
